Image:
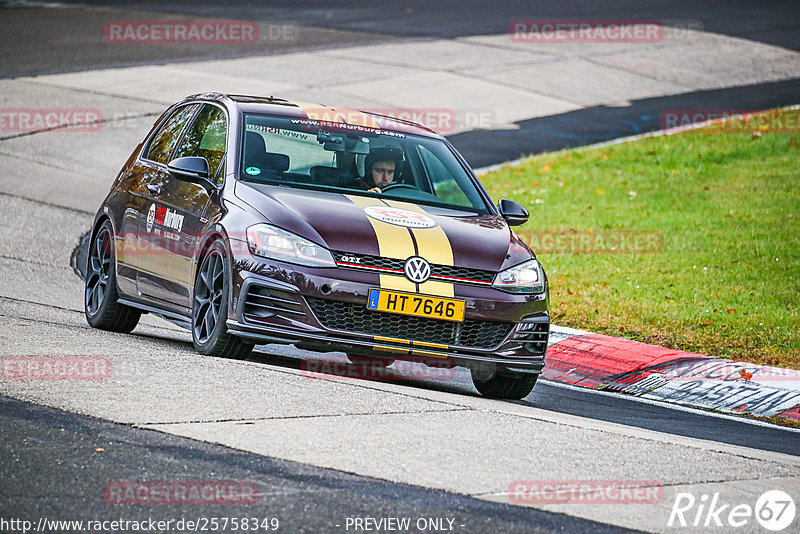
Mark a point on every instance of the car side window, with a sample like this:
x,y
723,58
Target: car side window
x,y
167,137
206,137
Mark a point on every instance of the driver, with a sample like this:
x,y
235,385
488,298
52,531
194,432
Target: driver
x,y
380,167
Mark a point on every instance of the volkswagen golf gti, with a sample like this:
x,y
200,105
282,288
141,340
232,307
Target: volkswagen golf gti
x,y
261,220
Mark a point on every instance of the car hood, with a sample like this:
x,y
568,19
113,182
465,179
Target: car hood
x,y
342,223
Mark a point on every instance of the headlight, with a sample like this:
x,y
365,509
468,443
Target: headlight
x,y
526,277
270,242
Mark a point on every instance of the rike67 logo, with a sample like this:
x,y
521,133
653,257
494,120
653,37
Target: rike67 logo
x,y
774,510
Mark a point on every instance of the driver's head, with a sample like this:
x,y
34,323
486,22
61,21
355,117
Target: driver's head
x,y
381,165
383,173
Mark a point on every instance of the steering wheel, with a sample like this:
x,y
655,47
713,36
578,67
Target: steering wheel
x,y
397,186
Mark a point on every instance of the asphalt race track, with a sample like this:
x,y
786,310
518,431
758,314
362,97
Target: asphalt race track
x,y
325,448
302,498
44,41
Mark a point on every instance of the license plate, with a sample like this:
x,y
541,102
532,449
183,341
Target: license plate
x,y
414,304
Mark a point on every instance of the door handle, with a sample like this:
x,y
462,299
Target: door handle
x,y
154,189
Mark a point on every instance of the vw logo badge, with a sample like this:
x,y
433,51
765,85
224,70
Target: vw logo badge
x,y
417,269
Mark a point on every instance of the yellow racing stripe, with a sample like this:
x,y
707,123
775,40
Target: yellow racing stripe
x,y
393,242
434,246
400,283
318,112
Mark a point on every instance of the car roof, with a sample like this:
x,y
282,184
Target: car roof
x,y
306,110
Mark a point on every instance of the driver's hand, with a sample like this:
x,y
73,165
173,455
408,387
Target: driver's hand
x,y
375,190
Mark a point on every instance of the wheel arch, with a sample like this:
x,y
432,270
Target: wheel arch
x,y
99,222
96,228
216,232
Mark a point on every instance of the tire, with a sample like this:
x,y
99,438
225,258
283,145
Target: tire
x,y
514,386
210,307
357,359
100,291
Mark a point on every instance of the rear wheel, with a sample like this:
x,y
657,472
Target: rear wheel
x,y
210,307
504,386
100,297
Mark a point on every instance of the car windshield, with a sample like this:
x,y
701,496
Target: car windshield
x,y
345,158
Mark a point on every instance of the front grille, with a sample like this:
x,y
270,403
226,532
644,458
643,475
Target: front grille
x,y
260,303
357,318
437,271
534,335
371,261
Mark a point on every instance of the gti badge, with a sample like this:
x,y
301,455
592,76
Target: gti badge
x,y
417,269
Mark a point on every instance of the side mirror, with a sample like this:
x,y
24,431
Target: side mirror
x,y
190,168
513,212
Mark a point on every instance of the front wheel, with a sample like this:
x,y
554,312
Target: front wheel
x,y
210,307
514,386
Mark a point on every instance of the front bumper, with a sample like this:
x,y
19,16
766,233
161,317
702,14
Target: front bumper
x,y
324,309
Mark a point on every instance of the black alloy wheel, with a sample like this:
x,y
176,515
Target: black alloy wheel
x,y
210,307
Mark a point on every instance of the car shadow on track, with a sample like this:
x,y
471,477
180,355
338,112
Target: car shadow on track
x,y
336,367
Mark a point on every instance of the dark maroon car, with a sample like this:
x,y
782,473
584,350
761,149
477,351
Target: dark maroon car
x,y
260,220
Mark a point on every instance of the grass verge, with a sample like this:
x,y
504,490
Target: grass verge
x,y
689,241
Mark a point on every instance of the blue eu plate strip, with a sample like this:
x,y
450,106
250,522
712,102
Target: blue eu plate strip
x,y
374,296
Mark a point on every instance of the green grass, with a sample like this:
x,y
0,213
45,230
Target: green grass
x,y
725,210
